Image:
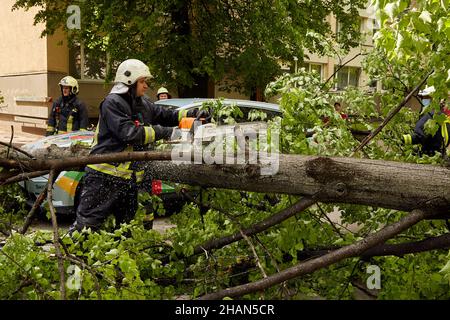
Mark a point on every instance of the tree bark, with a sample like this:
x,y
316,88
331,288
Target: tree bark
x,y
387,184
377,183
441,242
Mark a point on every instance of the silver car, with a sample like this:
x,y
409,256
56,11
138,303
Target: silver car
x,y
66,186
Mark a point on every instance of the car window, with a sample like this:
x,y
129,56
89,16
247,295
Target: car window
x,y
253,114
249,114
165,106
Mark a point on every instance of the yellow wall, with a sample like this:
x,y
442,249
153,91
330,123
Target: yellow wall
x,y
58,52
30,66
92,93
21,48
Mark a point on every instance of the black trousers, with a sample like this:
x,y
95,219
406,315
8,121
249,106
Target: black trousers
x,y
102,195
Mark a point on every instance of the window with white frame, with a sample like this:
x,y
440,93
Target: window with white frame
x,y
347,76
311,67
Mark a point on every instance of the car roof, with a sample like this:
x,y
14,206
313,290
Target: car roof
x,y
64,140
187,103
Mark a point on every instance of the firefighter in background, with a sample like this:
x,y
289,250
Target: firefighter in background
x,y
127,122
68,112
163,94
429,144
339,109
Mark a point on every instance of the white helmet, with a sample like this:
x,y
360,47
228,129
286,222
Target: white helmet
x,y
70,82
130,71
162,90
427,91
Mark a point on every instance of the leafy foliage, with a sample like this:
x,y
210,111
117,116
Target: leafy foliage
x,y
413,41
12,208
129,262
183,41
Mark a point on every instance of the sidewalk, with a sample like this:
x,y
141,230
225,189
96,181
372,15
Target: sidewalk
x,y
20,138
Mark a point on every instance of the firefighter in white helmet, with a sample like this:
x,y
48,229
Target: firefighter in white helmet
x,y
68,112
428,143
425,96
163,94
128,121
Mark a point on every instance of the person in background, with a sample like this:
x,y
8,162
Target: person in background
x,y
68,112
338,108
430,144
425,97
163,94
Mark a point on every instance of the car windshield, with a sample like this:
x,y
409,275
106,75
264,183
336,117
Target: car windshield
x,y
251,110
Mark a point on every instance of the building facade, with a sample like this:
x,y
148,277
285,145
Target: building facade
x,y
31,67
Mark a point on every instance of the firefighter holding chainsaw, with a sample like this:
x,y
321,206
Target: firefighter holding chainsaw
x,y
68,112
127,122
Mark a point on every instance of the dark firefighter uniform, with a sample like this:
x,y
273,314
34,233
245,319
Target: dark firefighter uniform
x,y
124,125
68,114
429,144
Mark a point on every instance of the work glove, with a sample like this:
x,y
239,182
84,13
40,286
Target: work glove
x,y
200,114
162,132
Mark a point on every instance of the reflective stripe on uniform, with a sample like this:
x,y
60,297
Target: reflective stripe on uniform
x,y
69,124
122,170
407,138
139,176
444,131
118,171
125,166
149,217
112,170
182,114
50,128
95,140
149,135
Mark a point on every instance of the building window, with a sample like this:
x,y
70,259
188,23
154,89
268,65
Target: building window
x,y
373,83
86,63
375,26
311,67
345,34
347,76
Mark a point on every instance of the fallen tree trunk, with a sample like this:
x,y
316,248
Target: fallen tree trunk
x,y
50,152
387,184
377,183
